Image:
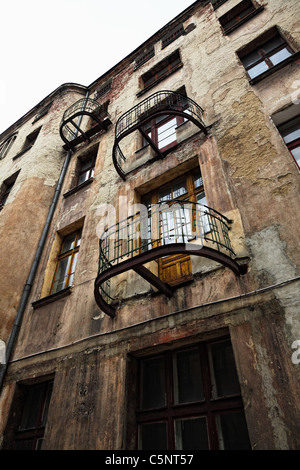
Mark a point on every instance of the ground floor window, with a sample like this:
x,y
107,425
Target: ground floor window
x,y
29,416
190,399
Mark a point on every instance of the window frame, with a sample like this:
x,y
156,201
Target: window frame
x,y
237,16
181,261
152,129
89,170
34,433
161,71
210,406
72,255
294,143
257,46
6,145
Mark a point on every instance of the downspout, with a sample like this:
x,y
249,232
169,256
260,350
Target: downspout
x,y
29,283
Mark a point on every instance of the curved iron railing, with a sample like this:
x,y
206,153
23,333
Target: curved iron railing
x,y
163,229
160,103
69,129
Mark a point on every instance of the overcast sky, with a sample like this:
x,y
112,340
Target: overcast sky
x,y
45,44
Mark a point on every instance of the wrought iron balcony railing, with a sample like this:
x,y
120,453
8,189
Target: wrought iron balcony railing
x,y
159,104
162,230
74,131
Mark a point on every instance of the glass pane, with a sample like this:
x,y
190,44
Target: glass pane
x,y
153,383
166,133
70,282
290,131
280,56
191,434
233,432
61,274
68,243
24,444
188,378
198,181
202,217
32,405
83,177
153,436
223,371
270,45
165,194
258,69
296,154
167,228
251,58
78,238
179,188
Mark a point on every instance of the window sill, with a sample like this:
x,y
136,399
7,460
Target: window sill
x,y
22,151
244,20
52,298
78,188
274,69
142,92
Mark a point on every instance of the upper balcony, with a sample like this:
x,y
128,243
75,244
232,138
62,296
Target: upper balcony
x,y
159,231
82,120
162,105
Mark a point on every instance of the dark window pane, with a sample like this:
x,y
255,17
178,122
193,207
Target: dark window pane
x,y
32,406
272,44
153,436
233,433
191,434
223,371
188,379
68,243
153,383
24,444
290,131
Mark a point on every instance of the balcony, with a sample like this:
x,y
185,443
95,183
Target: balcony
x,y
81,121
163,103
165,229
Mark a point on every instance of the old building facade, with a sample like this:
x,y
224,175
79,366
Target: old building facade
x,y
150,246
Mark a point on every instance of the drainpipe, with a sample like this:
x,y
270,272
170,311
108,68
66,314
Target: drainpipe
x,y
29,283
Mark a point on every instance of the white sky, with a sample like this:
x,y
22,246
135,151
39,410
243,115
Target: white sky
x,y
45,44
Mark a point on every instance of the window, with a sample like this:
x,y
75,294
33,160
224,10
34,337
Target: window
x,y
106,87
86,170
217,3
4,148
67,262
162,70
189,187
6,189
162,129
190,399
30,139
266,55
238,15
43,112
144,57
36,399
172,35
290,132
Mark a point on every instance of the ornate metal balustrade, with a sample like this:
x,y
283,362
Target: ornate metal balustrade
x,y
160,103
71,126
163,229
